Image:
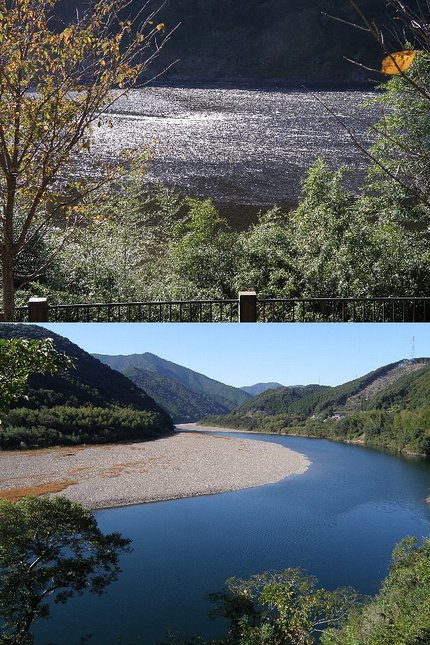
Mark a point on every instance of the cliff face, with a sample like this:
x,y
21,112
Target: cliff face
x,y
287,41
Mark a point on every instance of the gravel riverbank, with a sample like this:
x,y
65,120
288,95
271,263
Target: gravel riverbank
x,y
183,465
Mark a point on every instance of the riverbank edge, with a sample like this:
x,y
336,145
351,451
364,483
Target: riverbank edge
x,y
355,442
187,427
184,470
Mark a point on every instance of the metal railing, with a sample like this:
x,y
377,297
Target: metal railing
x,y
246,308
150,312
344,310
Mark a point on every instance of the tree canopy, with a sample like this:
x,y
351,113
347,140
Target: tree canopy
x,y
19,358
50,549
55,83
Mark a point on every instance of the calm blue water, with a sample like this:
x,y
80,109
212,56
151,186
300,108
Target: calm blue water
x,y
339,521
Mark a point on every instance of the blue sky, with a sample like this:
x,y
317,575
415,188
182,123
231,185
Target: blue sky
x,y
244,354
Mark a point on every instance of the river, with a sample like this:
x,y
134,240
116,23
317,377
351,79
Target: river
x,y
339,521
247,147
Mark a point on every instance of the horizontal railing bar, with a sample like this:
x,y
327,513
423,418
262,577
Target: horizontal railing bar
x,y
340,300
141,304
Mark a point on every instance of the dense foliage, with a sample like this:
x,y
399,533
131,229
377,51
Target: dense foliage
x,y
289,608
394,414
89,403
19,358
334,244
67,425
50,550
284,608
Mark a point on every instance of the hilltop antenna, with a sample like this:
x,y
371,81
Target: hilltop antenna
x,y
413,348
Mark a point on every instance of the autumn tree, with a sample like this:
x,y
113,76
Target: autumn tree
x,y
50,550
56,82
399,159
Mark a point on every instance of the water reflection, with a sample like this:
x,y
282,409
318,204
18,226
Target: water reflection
x,y
339,521
240,146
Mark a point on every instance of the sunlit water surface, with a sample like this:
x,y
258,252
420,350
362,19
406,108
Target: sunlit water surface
x,y
237,146
339,521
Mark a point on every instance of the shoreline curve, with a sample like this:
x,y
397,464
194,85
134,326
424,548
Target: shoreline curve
x,y
187,464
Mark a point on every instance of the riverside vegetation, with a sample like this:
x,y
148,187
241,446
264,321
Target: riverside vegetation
x,y
152,244
386,408
112,238
87,403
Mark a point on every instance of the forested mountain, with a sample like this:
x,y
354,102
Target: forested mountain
x,y
389,406
276,401
89,403
225,395
289,41
258,388
183,405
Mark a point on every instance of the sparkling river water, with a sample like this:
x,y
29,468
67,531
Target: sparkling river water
x,y
339,521
248,147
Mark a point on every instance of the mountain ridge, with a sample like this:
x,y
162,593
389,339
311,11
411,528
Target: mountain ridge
x,y
225,395
259,388
389,406
181,403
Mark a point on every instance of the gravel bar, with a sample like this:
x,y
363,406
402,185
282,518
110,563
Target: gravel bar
x,y
183,465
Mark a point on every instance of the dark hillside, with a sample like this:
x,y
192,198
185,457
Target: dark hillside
x,y
183,405
90,403
257,40
277,401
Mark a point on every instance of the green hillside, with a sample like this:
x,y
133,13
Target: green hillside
x,y
88,404
387,407
225,395
259,388
183,405
275,401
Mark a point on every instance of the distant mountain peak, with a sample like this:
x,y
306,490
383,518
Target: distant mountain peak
x,y
175,387
259,388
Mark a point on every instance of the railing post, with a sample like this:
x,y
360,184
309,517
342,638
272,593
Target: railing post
x,y
38,310
247,306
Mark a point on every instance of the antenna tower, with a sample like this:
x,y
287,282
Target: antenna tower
x,y
413,348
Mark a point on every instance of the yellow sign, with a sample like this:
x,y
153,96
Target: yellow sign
x,y
398,62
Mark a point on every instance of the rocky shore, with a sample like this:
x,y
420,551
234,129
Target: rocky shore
x,y
183,465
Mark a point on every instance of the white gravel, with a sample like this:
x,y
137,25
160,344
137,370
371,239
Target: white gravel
x,y
183,465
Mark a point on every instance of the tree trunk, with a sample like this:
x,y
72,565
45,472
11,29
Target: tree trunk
x,y
8,286
8,251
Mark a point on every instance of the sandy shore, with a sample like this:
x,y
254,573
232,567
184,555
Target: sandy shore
x,y
183,465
